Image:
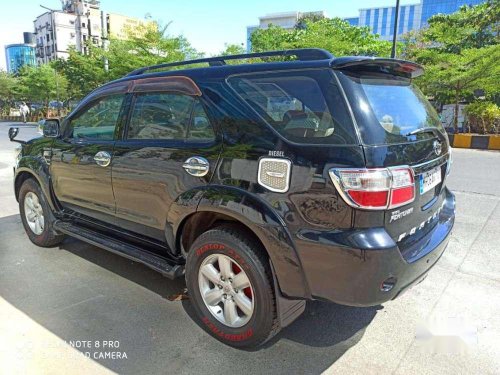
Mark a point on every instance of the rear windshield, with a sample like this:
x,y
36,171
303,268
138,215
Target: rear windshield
x,y
303,106
389,108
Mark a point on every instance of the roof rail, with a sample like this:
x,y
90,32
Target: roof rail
x,y
304,54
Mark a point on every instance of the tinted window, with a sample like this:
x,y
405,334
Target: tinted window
x,y
160,116
389,108
99,120
305,107
399,106
200,128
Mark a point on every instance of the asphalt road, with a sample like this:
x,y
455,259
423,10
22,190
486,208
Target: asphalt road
x,y
52,300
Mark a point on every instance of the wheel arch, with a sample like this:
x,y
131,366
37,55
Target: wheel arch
x,y
24,173
222,204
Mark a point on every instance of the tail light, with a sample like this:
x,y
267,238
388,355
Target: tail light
x,y
375,189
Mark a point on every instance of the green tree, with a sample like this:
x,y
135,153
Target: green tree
x,y
41,84
311,17
83,72
8,85
147,44
470,27
484,117
232,49
460,53
332,34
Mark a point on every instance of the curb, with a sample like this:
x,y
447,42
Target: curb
x,y
480,142
20,119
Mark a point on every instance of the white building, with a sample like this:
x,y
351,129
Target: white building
x,y
54,34
79,23
286,20
56,31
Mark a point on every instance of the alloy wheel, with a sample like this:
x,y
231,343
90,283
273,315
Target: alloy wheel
x,y
33,212
226,290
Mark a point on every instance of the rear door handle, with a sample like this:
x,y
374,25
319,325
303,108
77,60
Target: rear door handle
x,y
102,158
196,166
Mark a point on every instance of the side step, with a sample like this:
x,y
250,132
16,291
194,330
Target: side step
x,y
124,249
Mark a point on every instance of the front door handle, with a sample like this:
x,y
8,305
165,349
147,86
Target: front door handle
x,y
196,166
102,158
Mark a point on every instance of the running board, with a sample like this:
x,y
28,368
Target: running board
x,y
124,249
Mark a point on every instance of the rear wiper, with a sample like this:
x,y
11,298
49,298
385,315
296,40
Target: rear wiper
x,y
434,131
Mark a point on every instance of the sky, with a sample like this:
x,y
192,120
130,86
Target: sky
x,y
207,24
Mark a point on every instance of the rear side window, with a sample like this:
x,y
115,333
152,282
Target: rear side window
x,y
303,106
167,116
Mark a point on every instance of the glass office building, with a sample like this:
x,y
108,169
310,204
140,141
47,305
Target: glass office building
x,y
432,7
18,55
411,16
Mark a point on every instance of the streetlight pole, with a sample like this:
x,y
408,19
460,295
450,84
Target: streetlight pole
x,y
395,36
57,95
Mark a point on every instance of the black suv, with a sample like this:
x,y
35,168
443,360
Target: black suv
x,y
293,176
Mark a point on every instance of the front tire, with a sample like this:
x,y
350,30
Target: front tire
x,y
230,284
36,215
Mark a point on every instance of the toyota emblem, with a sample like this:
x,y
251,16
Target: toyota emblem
x,y
437,147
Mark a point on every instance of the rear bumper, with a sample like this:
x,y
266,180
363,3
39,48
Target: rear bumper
x,y
350,267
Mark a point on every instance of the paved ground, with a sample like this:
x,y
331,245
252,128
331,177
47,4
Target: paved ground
x,y
49,297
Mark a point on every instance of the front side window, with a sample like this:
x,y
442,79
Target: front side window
x,y
304,107
98,121
168,116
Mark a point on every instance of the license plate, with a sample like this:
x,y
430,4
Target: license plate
x,y
429,179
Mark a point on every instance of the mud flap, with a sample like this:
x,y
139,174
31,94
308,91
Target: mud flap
x,y
288,309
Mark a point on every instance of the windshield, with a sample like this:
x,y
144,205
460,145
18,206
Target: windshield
x,y
389,108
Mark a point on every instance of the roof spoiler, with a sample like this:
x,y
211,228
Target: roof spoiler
x,y
392,66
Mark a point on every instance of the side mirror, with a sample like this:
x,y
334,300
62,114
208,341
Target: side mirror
x,y
50,128
13,132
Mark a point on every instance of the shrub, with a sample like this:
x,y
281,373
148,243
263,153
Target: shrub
x,y
483,117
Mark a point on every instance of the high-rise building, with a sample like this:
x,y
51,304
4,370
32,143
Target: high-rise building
x,y
78,24
286,20
19,55
411,16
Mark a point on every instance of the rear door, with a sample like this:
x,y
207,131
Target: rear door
x,y
169,147
399,127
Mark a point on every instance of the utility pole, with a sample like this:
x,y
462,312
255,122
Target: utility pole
x,y
395,36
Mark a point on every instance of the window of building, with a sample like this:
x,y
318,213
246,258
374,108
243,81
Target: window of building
x,y
83,24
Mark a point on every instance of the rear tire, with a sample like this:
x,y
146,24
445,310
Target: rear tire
x,y
37,216
231,286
